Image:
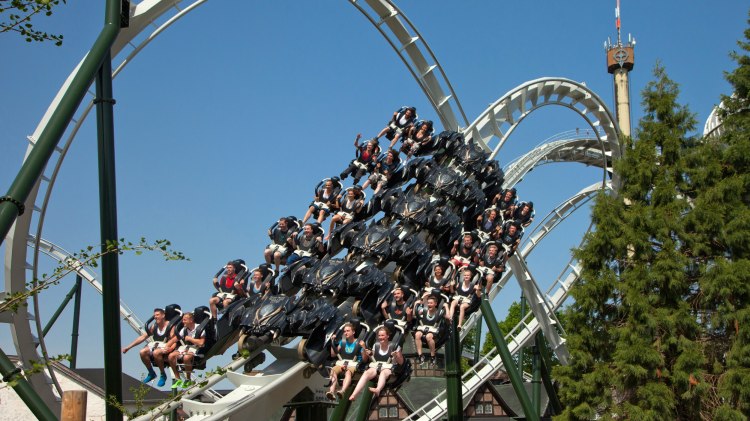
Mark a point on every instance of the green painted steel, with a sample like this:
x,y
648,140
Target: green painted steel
x,y
108,218
502,349
24,389
477,340
546,361
339,413
11,205
453,372
33,166
76,320
520,349
59,310
365,401
536,382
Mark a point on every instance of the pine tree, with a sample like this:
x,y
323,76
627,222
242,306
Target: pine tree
x,y
660,328
633,332
719,241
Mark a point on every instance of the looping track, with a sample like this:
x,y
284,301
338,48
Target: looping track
x,y
491,129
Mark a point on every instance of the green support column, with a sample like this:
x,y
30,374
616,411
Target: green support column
x,y
520,350
76,320
365,400
12,204
453,372
108,217
339,413
536,383
59,310
546,361
502,349
478,340
24,389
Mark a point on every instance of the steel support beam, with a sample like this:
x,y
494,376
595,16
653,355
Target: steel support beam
x,y
108,217
339,413
453,372
60,309
24,390
546,361
365,400
507,358
76,320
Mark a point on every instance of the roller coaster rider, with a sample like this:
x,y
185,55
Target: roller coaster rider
x,y
414,137
465,253
385,167
258,285
429,319
350,206
491,263
402,119
468,291
397,308
384,358
325,199
488,223
229,285
506,202
307,243
524,213
438,283
510,237
366,158
281,235
157,350
348,352
187,352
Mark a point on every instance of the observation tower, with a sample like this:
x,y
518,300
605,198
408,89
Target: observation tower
x,y
620,61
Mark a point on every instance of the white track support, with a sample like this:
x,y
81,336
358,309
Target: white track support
x,y
540,307
413,50
501,118
62,256
584,151
712,127
481,372
554,218
259,396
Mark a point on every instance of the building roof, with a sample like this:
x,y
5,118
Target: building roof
x,y
92,379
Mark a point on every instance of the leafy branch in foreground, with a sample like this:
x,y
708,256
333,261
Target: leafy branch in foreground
x,y
87,257
20,14
36,366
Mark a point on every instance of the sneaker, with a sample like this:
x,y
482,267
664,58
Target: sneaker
x,y
330,396
150,377
187,383
433,360
420,359
162,380
176,384
340,394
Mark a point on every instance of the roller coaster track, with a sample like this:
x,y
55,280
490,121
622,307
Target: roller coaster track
x,y
149,18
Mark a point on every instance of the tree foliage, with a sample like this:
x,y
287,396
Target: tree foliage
x,y
660,328
16,17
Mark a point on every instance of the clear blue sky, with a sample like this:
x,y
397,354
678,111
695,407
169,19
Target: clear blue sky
x,y
230,118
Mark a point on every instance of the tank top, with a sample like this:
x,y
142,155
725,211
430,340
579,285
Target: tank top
x,y
160,335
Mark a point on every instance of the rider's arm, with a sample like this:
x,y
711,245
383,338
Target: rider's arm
x,y
137,340
197,341
398,357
